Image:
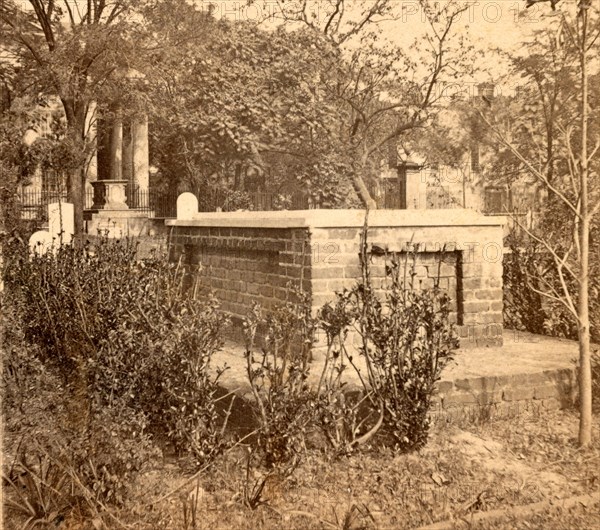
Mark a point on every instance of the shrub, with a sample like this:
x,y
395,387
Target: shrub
x,y
523,305
530,270
407,340
131,349
284,403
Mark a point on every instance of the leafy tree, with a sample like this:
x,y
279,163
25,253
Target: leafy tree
x,y
70,50
297,99
247,97
384,91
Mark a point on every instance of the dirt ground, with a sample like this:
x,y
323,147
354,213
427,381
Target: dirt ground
x,y
472,467
463,473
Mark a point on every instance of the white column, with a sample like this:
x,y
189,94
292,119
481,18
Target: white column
x,y
141,159
116,149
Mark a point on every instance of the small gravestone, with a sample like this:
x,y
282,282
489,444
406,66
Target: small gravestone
x,y
61,221
187,206
40,242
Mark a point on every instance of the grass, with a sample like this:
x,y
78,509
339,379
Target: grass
x,y
462,471
466,468
554,518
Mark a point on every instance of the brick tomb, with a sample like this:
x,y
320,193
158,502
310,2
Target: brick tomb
x,y
247,257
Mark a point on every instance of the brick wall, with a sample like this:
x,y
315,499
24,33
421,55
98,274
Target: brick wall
x,y
504,395
243,265
263,256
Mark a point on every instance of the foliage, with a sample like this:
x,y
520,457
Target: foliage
x,y
245,98
58,471
406,342
90,313
528,273
278,376
12,175
291,101
523,307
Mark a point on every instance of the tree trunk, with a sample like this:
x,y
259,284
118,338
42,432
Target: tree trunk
x,y
585,367
76,195
583,309
359,183
363,193
76,120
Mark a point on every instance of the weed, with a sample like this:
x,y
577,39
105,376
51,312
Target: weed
x,y
39,491
285,405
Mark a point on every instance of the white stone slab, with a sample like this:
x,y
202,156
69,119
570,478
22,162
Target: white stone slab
x,y
187,206
40,242
342,219
61,221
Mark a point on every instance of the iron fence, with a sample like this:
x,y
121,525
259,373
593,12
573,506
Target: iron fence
x,y
33,204
163,204
225,200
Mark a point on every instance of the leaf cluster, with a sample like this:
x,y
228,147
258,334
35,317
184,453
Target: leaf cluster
x,y
131,351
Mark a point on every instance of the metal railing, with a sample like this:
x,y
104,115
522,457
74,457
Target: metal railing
x,y
158,204
224,200
34,203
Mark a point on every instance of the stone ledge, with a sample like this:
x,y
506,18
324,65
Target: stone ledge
x,y
340,219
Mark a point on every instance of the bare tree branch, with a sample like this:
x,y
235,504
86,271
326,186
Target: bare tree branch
x,y
529,166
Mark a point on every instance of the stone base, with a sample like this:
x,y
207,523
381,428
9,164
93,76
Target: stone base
x,y
109,195
118,223
528,374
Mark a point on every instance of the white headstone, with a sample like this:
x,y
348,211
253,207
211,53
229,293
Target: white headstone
x,y
187,206
61,221
40,242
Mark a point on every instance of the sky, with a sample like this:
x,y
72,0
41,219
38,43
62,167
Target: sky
x,y
497,22
501,24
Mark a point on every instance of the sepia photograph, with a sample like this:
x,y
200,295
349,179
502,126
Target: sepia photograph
x,y
300,264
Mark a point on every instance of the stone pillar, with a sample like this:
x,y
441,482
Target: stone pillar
x,y
415,187
103,134
91,127
127,152
109,188
128,163
116,149
141,160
